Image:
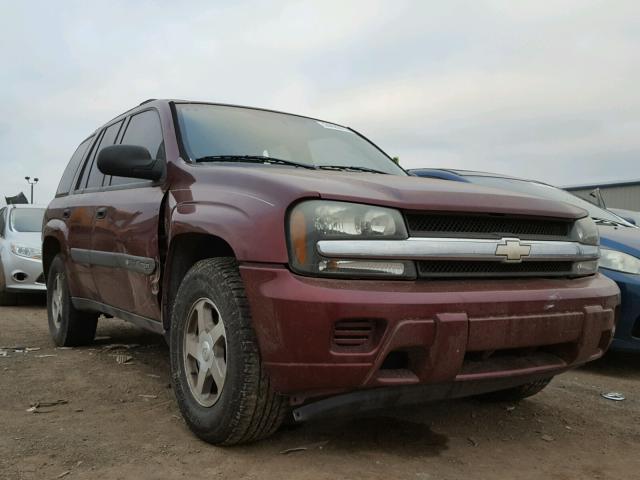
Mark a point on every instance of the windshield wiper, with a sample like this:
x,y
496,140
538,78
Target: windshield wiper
x,y
252,159
351,168
600,221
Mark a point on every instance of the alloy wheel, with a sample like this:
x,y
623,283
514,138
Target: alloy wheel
x,y
205,352
56,301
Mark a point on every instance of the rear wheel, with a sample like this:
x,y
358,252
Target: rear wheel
x,y
517,393
68,326
220,384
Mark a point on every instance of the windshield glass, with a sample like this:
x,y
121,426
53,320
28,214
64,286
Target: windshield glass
x,y
27,219
216,130
546,191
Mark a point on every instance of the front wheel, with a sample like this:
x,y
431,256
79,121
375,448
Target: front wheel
x,y
6,298
68,326
220,384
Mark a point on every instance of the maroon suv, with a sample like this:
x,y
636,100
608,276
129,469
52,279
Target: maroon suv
x,y
297,270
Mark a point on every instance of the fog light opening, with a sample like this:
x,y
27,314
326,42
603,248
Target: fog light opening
x,y
20,276
396,360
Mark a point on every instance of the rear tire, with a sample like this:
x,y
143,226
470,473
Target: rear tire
x,y
69,327
518,393
212,336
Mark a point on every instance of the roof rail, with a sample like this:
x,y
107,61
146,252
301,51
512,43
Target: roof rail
x,y
149,100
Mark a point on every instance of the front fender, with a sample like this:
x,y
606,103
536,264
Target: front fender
x,y
252,227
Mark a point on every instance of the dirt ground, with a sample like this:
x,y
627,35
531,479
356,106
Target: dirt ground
x,y
120,421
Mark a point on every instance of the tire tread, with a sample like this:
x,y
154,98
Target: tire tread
x,y
79,326
260,410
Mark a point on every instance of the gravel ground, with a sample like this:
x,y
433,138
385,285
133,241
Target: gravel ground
x,y
115,420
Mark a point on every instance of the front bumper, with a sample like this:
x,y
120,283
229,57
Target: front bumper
x,y
627,336
423,331
23,274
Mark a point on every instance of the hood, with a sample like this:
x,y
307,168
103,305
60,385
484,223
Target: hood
x,y
28,239
623,239
277,185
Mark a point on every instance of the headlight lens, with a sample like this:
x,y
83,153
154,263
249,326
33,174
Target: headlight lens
x,y
315,220
26,252
621,262
587,231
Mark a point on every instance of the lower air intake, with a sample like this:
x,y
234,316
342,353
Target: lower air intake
x,y
354,334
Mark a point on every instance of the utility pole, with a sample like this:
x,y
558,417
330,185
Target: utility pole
x,y
32,183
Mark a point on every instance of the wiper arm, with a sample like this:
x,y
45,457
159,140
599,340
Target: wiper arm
x,y
352,168
607,221
252,159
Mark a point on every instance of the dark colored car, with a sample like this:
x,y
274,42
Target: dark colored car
x,y
297,270
619,240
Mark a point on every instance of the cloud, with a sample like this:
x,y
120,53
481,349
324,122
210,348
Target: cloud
x,y
530,88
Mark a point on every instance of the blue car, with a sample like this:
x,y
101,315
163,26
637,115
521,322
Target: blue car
x,y
619,243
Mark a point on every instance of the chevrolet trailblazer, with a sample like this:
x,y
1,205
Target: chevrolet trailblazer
x,y
298,271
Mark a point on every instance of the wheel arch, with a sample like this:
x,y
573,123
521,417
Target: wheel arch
x,y
185,250
54,240
50,248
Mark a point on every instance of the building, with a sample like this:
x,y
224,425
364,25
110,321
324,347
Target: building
x,y
624,195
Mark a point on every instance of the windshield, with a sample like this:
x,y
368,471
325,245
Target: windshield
x,y
546,191
216,130
27,219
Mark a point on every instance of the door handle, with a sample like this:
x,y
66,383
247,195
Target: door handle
x,y
66,213
101,213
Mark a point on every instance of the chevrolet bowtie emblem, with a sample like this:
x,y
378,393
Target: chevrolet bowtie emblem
x,y
512,250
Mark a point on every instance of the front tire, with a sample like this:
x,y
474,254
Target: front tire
x,y
6,298
220,384
68,326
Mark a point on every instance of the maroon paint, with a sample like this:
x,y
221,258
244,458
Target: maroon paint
x,y
293,316
445,319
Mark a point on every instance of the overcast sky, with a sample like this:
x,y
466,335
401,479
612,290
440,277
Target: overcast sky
x,y
546,90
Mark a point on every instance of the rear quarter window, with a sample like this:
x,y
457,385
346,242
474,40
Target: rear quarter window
x,y
96,177
72,167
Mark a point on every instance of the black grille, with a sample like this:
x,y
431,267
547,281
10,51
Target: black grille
x,y
353,333
40,278
422,225
450,269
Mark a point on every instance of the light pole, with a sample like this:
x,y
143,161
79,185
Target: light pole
x,y
32,183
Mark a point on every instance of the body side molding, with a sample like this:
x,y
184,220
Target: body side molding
x,y
136,264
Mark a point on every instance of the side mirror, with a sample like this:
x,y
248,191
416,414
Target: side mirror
x,y
130,161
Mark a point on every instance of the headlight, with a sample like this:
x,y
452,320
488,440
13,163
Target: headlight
x,y
26,252
621,262
586,231
315,220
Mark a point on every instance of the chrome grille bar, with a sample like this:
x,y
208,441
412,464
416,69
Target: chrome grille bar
x,y
507,250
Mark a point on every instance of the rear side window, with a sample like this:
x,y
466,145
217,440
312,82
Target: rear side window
x,y
67,177
96,177
143,130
